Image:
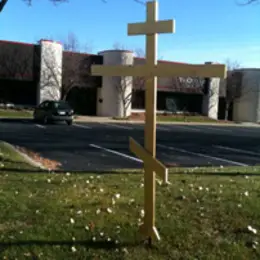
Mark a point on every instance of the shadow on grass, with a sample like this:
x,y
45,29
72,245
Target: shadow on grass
x,y
33,171
127,171
87,243
15,120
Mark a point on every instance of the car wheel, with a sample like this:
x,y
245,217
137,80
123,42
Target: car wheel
x,y
45,120
69,122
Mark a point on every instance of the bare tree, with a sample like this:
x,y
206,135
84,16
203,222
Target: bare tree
x,y
14,64
127,86
233,84
74,71
248,2
29,2
72,43
58,79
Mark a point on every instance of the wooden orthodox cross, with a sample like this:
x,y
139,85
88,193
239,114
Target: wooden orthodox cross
x,y
151,70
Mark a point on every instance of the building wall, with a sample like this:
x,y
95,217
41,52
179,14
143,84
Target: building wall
x,y
247,106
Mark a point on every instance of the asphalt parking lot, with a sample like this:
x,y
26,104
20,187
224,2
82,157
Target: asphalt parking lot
x,y
104,146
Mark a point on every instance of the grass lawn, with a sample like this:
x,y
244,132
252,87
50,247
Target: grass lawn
x,y
204,214
181,118
15,113
173,118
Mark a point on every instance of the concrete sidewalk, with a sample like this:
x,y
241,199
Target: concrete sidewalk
x,y
85,119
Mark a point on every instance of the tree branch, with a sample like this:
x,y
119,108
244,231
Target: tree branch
x,y
2,4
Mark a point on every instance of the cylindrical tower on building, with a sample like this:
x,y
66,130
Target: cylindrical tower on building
x,y
114,97
50,71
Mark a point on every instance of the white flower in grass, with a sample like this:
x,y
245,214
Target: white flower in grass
x,y
125,250
73,249
253,230
108,239
191,185
101,234
181,190
37,211
16,192
98,211
113,201
131,201
93,239
255,244
142,213
220,185
87,181
159,182
246,193
117,242
98,177
200,188
91,177
73,238
220,191
109,210
87,228
221,166
141,185
75,186
79,212
101,190
239,205
67,173
49,180
117,195
246,177
72,221
207,189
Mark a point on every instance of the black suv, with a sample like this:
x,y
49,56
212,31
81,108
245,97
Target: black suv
x,y
51,111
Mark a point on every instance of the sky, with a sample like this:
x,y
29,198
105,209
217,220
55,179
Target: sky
x,y
205,30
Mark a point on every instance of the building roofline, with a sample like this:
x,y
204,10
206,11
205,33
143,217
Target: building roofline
x,y
47,40
163,61
91,54
16,42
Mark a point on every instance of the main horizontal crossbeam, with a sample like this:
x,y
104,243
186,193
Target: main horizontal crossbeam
x,y
166,26
161,70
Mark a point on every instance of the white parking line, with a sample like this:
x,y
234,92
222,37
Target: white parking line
x,y
82,126
188,128
236,150
118,126
115,152
40,126
217,129
162,128
202,155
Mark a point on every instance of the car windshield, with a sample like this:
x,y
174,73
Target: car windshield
x,y
61,105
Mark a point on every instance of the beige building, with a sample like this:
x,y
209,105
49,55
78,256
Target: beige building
x,y
45,71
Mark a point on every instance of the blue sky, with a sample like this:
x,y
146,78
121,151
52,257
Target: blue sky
x,y
206,30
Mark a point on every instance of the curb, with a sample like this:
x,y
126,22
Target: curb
x,y
28,159
158,122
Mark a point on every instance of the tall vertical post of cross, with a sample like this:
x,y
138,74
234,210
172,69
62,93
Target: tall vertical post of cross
x,y
151,27
151,70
